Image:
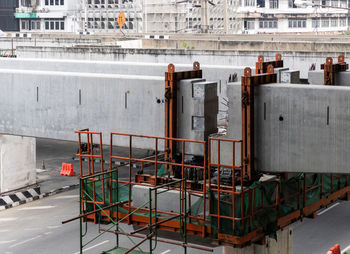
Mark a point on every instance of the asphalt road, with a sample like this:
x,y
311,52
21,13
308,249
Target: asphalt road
x,y
36,228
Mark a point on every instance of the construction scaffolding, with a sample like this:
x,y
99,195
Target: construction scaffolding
x,y
232,203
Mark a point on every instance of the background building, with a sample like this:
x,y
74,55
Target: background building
x,y
179,16
7,19
48,15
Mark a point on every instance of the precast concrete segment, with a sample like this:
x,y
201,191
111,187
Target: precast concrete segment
x,y
219,73
340,78
197,109
298,128
55,104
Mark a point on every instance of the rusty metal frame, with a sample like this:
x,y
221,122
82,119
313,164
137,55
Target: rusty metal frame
x,y
261,66
154,180
330,69
171,80
248,84
91,157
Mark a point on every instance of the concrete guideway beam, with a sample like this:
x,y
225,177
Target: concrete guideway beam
x,y
55,104
297,127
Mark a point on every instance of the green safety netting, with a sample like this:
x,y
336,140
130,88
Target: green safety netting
x,y
264,195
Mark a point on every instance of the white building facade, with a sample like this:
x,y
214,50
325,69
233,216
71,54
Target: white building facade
x,y
282,16
178,16
48,15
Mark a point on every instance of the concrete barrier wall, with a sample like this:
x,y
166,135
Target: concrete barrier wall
x,y
9,43
55,104
17,162
297,60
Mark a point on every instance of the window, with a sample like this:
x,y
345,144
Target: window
x,y
35,25
54,2
249,2
54,24
268,23
261,3
334,3
334,22
342,22
249,24
273,4
296,23
325,22
291,4
315,23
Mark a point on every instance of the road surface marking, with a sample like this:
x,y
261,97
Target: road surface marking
x,y
53,227
165,252
25,241
327,209
32,229
37,207
7,219
92,247
47,233
346,249
67,196
5,242
4,230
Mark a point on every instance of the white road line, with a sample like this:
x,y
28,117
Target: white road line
x,y
327,209
53,227
67,196
7,219
165,252
346,249
25,241
92,247
37,208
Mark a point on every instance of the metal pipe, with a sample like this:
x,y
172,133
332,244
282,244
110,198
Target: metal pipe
x,y
92,212
138,244
155,224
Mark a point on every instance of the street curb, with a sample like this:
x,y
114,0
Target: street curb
x,y
22,201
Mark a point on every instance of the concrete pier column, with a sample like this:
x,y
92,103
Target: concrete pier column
x,y
17,162
283,245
